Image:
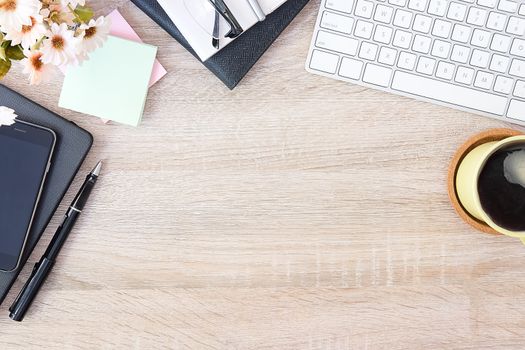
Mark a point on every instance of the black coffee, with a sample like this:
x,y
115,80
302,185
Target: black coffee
x,y
501,188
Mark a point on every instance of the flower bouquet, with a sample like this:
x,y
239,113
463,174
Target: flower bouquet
x,y
43,34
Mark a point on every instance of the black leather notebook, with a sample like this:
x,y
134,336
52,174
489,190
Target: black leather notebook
x,y
73,144
235,60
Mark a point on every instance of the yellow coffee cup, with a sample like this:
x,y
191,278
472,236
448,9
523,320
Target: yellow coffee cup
x,y
467,177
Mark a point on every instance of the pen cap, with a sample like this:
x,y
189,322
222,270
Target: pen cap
x,y
28,293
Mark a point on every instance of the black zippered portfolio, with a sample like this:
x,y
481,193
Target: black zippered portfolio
x,y
234,61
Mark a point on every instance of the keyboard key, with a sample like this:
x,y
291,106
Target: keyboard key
x,y
499,63
422,23
487,3
446,92
441,28
519,90
350,68
516,110
500,43
460,54
480,58
426,65
402,39
397,2
364,8
377,75
402,19
518,48
516,26
457,11
335,42
438,7
421,44
368,51
418,5
407,60
480,38
503,85
383,14
464,75
496,21
445,70
517,68
383,34
363,29
508,6
477,16
387,56
484,80
522,10
340,5
324,61
441,49
336,22
461,33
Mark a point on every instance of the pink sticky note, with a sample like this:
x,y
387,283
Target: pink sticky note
x,y
121,28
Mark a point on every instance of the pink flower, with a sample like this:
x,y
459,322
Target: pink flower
x,y
35,67
61,46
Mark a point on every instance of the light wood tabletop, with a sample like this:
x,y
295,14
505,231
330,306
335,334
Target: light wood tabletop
x,y
295,212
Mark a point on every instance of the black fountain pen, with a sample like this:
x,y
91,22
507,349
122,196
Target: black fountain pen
x,y
44,266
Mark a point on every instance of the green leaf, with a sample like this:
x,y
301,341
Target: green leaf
x,y
3,49
84,14
4,68
15,52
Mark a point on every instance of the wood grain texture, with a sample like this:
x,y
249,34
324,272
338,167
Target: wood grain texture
x,y
295,212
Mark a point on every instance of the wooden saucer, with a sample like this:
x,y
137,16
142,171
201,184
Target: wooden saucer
x,y
473,142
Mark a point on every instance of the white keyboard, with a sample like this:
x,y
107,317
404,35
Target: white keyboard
x,y
466,54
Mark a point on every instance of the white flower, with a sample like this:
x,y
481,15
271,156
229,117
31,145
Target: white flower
x,y
16,13
29,34
95,34
34,67
45,12
61,14
61,46
7,116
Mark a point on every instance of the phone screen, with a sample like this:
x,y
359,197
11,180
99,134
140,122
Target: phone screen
x,y
24,155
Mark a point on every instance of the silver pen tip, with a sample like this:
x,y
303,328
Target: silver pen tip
x,y
97,168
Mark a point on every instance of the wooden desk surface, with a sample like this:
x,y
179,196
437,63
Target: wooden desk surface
x,y
295,212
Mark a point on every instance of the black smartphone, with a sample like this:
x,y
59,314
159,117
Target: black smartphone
x,y
25,156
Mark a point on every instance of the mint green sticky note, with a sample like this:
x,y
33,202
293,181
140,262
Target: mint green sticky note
x,y
113,83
